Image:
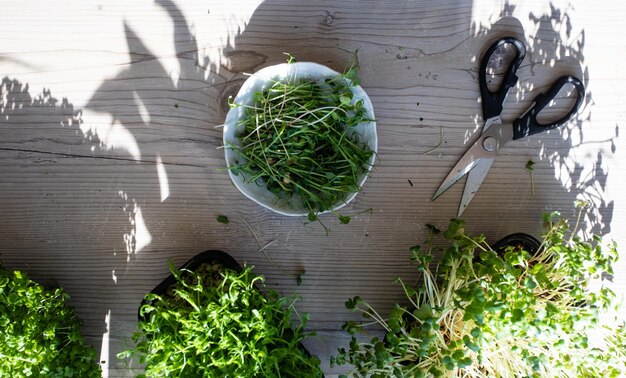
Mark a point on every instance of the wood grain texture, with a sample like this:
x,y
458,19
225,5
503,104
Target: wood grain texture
x,y
110,159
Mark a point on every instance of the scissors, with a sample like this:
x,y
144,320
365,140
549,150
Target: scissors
x,y
495,134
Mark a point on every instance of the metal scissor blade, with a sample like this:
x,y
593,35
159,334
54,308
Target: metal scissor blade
x,y
485,148
464,165
460,169
475,177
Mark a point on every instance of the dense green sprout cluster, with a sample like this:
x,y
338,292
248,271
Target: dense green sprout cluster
x,y
39,334
214,322
481,313
298,139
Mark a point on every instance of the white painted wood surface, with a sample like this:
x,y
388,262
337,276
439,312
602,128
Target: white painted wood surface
x,y
110,162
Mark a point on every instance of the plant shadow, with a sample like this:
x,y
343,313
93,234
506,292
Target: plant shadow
x,y
555,46
153,114
126,157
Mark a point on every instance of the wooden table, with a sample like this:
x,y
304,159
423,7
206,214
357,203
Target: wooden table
x,y
110,159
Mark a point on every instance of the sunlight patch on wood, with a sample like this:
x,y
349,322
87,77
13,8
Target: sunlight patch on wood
x,y
137,236
104,348
143,111
163,182
111,133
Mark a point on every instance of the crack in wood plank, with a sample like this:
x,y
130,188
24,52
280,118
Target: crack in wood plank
x,y
98,157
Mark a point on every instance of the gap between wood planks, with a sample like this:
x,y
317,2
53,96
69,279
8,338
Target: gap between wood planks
x,y
99,157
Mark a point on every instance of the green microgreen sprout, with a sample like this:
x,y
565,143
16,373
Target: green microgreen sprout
x,y
215,322
40,334
530,166
345,219
290,58
511,313
222,219
298,139
580,205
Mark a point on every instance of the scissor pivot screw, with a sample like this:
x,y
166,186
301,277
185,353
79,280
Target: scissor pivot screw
x,y
490,143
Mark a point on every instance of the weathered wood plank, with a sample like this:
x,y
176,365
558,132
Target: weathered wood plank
x,y
110,159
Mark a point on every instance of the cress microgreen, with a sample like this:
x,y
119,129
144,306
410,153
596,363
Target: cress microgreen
x,y
299,140
483,314
39,334
214,322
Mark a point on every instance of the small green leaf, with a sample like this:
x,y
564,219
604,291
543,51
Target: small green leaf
x,y
432,229
343,219
222,219
530,164
416,253
290,58
424,312
470,344
396,321
458,354
448,362
464,362
351,327
530,282
455,229
580,204
352,303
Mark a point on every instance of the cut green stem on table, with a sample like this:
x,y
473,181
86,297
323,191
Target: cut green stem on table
x,y
345,219
439,144
299,140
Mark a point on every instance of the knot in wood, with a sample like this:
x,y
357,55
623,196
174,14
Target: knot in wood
x,y
230,89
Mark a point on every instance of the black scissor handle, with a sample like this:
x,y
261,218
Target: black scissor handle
x,y
492,101
527,123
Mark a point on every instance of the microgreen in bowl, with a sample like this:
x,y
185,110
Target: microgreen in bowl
x,y
300,138
39,334
484,314
214,322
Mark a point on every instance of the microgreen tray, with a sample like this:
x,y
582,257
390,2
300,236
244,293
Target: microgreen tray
x,y
527,242
206,257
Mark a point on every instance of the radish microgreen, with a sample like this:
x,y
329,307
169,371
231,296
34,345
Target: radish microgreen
x,y
479,313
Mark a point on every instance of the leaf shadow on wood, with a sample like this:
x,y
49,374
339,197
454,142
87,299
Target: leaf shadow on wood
x,y
133,170
555,47
154,110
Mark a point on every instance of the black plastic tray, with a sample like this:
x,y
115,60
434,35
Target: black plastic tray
x,y
527,242
210,257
